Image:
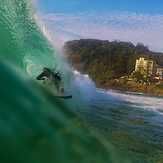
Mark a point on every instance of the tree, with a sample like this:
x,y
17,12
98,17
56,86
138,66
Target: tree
x,y
138,76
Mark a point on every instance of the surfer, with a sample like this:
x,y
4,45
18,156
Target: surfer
x,y
54,77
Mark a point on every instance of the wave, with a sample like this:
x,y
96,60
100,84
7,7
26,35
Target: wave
x,y
35,126
23,44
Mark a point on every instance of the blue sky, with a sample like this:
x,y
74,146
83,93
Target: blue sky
x,y
124,20
71,6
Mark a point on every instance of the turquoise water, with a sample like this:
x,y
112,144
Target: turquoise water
x,y
93,127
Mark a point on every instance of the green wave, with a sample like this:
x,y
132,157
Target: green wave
x,y
22,42
36,127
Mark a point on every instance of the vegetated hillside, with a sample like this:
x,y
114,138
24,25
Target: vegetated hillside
x,y
104,60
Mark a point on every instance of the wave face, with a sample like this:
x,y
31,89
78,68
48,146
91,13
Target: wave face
x,y
21,41
36,127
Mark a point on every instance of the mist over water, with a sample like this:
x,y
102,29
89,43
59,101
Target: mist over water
x,y
94,126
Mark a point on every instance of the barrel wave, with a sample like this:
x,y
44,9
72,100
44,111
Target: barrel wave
x,y
94,126
35,126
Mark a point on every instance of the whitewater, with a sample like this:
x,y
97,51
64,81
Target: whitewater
x,y
94,126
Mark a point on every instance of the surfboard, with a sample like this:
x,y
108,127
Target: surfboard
x,y
64,97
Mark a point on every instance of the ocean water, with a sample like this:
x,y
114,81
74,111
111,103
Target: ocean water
x,y
95,126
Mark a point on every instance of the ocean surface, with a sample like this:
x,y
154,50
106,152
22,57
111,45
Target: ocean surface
x,y
95,126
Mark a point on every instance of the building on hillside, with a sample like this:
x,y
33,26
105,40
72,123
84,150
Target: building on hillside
x,y
145,66
159,72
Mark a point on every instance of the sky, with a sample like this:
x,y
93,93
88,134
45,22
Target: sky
x,y
125,20
71,6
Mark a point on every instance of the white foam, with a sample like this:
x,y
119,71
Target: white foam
x,y
140,101
133,100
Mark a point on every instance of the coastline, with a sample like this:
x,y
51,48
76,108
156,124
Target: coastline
x,y
111,65
146,90
134,93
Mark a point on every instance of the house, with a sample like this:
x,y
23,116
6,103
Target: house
x,y
146,67
159,72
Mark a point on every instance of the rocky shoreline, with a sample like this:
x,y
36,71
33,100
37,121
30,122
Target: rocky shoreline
x,y
117,85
